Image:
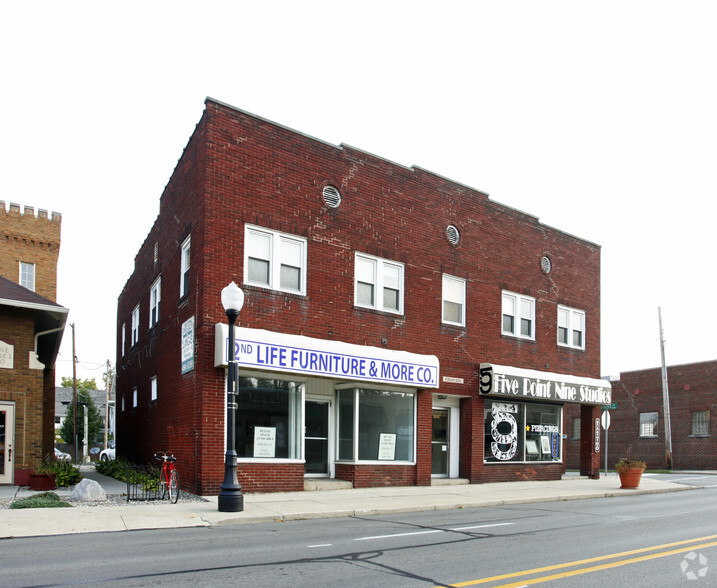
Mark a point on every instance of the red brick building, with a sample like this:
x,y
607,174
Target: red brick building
x,y
398,327
637,425
31,328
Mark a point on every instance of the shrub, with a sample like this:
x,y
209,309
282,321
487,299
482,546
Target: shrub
x,y
627,463
42,500
66,474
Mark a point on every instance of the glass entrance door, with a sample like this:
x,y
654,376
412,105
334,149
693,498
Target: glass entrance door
x,y
316,438
7,422
439,443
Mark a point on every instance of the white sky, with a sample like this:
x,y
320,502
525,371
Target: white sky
x,y
598,117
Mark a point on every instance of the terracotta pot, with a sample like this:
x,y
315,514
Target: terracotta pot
x,y
42,482
630,477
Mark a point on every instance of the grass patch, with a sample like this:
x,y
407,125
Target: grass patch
x,y
42,500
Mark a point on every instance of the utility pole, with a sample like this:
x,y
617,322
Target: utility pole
x,y
74,392
665,398
108,395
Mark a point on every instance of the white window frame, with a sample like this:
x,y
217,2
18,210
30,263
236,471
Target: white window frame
x,y
184,265
155,299
134,338
454,292
700,423
648,424
572,321
124,337
280,246
519,314
134,397
27,275
153,389
380,280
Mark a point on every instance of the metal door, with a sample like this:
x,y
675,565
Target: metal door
x,y
316,438
440,448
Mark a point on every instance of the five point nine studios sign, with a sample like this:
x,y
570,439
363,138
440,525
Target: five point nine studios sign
x,y
532,384
297,354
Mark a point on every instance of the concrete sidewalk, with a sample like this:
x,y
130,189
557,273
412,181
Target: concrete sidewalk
x,y
301,505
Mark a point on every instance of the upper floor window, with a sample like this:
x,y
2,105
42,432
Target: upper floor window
x,y
379,283
184,268
648,424
454,300
124,337
27,275
134,397
700,423
155,296
153,389
518,315
274,260
571,327
135,326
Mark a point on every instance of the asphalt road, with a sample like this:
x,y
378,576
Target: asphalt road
x,y
645,540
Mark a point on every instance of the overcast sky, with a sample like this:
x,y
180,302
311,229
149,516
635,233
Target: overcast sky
x,y
600,118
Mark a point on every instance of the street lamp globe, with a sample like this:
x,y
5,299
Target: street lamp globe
x,y
232,298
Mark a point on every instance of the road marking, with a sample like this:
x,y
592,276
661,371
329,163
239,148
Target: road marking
x,y
321,545
592,560
430,531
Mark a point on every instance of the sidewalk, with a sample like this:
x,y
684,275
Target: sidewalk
x,y
289,506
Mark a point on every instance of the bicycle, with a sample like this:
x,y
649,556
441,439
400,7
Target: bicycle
x,y
168,477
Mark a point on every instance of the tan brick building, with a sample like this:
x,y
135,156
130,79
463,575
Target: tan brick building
x,y
31,328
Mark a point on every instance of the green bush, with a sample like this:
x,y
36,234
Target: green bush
x,y
66,474
146,477
42,500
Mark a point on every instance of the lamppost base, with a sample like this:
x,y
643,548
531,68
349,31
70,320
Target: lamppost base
x,y
231,500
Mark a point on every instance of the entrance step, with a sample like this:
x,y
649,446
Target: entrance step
x,y
449,481
326,484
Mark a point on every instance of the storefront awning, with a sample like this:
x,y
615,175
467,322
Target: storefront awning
x,y
521,383
267,350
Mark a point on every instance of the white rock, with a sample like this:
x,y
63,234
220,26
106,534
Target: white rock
x,y
88,490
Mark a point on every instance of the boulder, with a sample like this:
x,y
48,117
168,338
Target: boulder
x,y
88,490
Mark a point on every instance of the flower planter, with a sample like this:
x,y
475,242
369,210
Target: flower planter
x,y
630,477
42,482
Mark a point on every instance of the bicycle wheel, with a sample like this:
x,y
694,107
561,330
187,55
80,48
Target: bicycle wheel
x,y
162,486
174,487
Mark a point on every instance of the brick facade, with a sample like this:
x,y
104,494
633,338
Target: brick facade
x,y
692,388
26,386
239,169
31,239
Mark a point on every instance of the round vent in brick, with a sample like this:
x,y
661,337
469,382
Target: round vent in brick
x,y
546,265
453,235
332,197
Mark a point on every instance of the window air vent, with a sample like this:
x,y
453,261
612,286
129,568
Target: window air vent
x,y
332,197
452,235
546,265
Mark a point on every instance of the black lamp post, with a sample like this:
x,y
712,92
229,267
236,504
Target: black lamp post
x,y
231,498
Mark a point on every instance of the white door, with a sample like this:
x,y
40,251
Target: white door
x,y
7,436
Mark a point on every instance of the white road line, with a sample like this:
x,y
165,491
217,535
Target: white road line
x,y
480,526
429,532
399,535
321,545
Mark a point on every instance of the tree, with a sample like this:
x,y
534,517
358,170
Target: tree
x,y
94,419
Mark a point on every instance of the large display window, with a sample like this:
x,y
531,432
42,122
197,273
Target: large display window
x,y
268,418
520,431
375,425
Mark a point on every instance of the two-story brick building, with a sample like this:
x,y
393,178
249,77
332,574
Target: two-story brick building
x,y
398,326
31,328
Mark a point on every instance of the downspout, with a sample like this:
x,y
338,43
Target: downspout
x,y
41,333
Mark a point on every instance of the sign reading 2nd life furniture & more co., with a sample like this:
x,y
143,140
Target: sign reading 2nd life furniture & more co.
x,y
267,350
517,382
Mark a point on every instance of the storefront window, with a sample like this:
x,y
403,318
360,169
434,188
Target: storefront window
x,y
268,418
516,431
385,425
346,401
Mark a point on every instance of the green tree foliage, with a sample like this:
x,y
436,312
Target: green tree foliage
x,y
94,419
88,384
